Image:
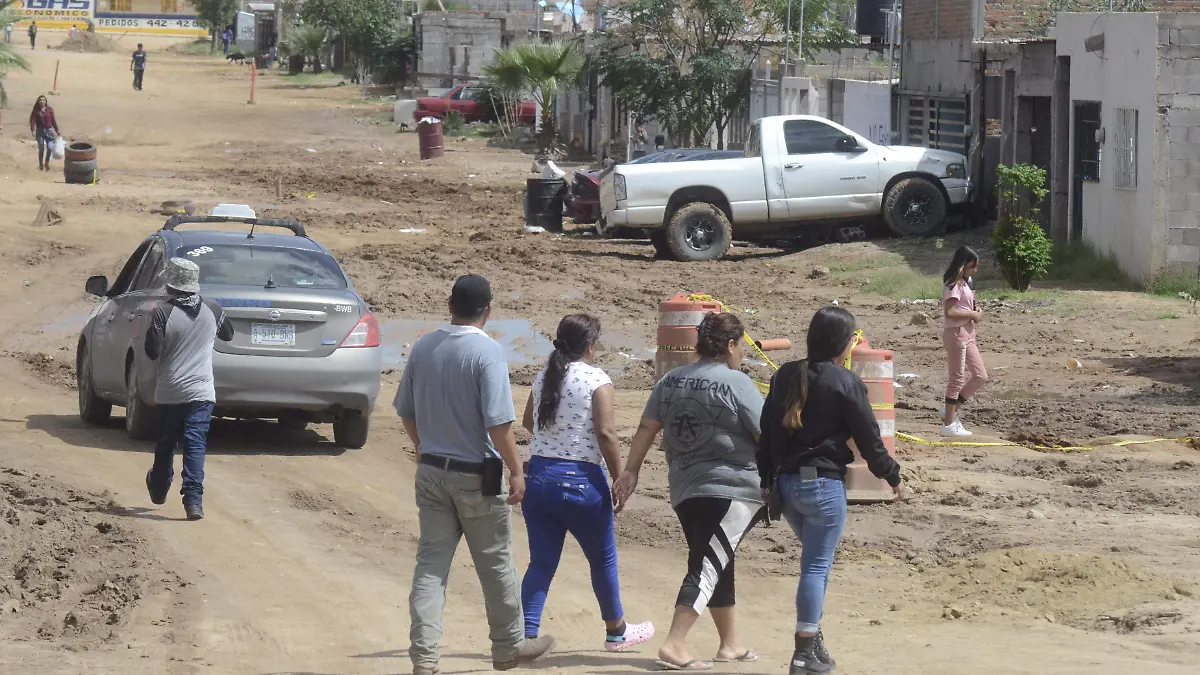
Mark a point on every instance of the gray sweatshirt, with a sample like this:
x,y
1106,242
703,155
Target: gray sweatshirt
x,y
180,337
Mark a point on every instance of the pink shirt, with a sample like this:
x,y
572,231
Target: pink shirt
x,y
964,297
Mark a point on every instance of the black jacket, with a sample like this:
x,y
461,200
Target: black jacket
x,y
837,410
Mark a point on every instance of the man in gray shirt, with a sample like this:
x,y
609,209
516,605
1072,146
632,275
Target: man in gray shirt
x,y
456,405
180,337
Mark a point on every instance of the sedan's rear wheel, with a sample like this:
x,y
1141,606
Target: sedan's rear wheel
x,y
92,409
351,429
139,417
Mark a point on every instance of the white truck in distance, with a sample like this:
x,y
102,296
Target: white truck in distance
x,y
799,172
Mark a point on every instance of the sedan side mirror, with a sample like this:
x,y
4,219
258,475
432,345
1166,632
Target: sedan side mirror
x,y
97,286
849,144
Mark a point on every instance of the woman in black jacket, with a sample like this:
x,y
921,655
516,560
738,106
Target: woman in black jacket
x,y
814,408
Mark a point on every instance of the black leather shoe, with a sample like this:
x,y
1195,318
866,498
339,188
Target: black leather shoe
x,y
194,511
159,498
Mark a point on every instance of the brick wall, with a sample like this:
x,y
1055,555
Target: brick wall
x,y
1003,19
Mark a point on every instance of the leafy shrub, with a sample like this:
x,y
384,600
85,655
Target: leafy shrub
x,y
1023,252
453,123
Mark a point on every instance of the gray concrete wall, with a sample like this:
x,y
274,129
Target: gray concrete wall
x,y
457,45
1177,179
937,67
1119,222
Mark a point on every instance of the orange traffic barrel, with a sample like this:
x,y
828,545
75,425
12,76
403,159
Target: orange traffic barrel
x,y
429,138
677,322
876,368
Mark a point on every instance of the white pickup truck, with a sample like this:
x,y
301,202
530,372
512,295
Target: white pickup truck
x,y
799,172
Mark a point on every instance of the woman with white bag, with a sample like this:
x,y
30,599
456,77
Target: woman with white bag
x,y
45,130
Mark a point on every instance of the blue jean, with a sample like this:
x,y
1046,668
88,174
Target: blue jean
x,y
186,422
45,141
816,511
566,496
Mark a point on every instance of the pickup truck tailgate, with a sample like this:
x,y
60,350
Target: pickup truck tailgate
x,y
608,196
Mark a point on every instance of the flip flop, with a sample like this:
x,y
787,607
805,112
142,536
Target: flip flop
x,y
747,656
694,664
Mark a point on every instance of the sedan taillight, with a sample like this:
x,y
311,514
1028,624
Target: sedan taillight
x,y
365,334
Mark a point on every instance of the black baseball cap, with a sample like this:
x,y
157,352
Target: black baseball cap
x,y
471,295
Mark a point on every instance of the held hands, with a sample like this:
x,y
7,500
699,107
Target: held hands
x,y
516,488
624,487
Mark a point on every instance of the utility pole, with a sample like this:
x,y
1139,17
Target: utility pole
x,y
787,49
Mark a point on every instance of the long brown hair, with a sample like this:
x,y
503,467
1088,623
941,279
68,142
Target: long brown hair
x,y
576,333
829,332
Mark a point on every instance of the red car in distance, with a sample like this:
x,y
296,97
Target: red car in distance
x,y
460,100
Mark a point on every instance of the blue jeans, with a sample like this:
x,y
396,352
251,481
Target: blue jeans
x,y
45,141
186,422
565,496
816,511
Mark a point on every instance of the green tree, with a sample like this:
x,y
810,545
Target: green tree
x,y
9,59
308,41
688,63
215,15
1023,251
365,27
540,71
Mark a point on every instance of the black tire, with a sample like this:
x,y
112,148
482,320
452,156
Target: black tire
x,y
139,416
72,166
80,152
659,240
81,177
293,421
351,429
699,232
914,207
92,409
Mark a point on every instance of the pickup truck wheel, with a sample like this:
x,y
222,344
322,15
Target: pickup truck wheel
x,y
914,207
698,232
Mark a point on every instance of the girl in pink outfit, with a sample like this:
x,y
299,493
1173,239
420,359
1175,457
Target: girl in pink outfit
x,y
966,373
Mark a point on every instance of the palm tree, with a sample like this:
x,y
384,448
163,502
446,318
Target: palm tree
x,y
9,59
540,71
309,41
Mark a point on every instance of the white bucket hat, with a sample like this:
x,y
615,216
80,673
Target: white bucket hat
x,y
183,276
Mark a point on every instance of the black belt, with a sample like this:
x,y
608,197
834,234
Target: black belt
x,y
450,464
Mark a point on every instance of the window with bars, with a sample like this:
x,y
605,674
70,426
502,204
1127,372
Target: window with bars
x,y
1125,148
170,6
937,123
120,5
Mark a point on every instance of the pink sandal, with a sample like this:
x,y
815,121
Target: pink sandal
x,y
635,634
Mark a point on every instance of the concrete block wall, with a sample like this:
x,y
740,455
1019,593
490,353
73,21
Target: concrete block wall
x,y
458,44
1177,184
937,19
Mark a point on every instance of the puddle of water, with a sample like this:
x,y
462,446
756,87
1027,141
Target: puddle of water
x,y
522,344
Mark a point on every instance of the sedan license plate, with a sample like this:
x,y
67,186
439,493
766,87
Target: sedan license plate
x,y
273,334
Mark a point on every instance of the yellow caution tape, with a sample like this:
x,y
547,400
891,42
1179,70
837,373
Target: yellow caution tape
x,y
1034,446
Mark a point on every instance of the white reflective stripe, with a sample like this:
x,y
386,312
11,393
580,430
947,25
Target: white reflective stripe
x,y
680,318
887,427
875,370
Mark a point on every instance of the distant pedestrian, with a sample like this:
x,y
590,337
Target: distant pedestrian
x,y
640,140
8,33
138,65
455,403
45,130
708,413
965,372
660,142
180,338
226,39
572,414
33,34
814,408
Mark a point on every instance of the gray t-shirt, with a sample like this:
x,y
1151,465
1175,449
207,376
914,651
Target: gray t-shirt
x,y
180,338
456,388
710,415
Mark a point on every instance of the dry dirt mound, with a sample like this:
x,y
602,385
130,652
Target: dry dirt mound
x,y
68,573
92,43
1070,587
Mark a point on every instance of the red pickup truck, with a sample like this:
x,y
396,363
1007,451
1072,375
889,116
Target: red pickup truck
x,y
460,100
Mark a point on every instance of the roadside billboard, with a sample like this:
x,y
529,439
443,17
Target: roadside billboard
x,y
62,14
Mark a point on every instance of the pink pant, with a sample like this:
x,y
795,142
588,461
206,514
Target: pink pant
x,y
966,374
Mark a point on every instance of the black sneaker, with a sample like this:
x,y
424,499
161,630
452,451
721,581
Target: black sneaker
x,y
159,498
822,653
805,660
194,511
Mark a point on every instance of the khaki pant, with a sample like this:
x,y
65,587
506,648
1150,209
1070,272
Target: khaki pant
x,y
451,505
966,373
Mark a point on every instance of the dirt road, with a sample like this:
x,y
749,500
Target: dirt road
x,y
1006,560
